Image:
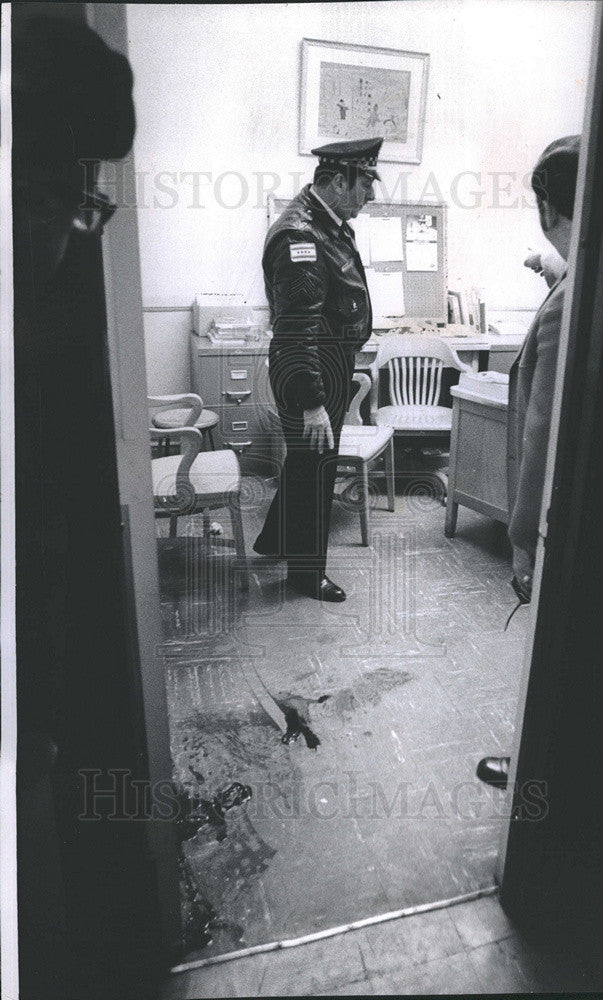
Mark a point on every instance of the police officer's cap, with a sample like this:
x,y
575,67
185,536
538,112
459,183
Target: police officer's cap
x,y
360,154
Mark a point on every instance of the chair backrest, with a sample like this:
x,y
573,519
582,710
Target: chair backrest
x,y
415,364
179,401
353,417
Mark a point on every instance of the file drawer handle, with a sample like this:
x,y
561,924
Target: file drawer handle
x,y
238,446
236,397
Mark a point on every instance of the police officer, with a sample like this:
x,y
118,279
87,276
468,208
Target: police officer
x,y
321,315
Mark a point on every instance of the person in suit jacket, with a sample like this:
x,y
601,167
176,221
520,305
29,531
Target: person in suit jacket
x,y
532,376
532,383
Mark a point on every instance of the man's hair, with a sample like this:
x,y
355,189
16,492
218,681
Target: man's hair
x,y
71,93
554,176
324,174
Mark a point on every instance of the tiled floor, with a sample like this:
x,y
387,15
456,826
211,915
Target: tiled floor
x,y
468,948
421,682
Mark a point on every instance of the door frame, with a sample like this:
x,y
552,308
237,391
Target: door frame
x,y
125,333
565,505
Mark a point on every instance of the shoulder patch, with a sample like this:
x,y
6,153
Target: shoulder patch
x,y
302,251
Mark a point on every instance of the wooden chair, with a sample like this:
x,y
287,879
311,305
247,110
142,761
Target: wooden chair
x,y
359,448
196,481
415,363
183,410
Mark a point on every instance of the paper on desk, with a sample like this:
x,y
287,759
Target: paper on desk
x,y
498,377
363,238
386,239
387,294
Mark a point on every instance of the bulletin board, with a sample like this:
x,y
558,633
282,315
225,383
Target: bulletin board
x,y
403,246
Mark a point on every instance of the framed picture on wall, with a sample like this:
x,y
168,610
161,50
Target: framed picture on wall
x,y
357,92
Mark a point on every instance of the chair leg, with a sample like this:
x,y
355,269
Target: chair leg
x,y
390,476
364,510
206,523
239,539
166,447
443,478
173,526
210,437
452,509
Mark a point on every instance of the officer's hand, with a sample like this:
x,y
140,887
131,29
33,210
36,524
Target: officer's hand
x,y
317,427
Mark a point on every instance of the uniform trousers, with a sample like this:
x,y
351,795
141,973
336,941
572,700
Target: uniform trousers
x,y
297,523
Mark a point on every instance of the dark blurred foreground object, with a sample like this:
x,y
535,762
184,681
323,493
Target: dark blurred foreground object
x,y
88,899
72,108
72,95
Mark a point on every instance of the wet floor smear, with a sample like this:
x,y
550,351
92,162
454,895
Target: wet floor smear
x,y
296,710
195,812
222,855
200,920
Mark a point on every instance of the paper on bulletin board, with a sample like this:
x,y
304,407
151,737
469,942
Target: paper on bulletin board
x,y
363,238
421,243
386,239
386,290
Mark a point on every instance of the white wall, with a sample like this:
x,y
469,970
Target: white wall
x,y
217,90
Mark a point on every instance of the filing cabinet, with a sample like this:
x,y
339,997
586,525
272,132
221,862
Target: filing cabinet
x,y
233,381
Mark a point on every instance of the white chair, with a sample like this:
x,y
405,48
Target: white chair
x,y
197,481
183,410
415,363
359,447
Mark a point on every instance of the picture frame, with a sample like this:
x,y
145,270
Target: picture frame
x,y
360,91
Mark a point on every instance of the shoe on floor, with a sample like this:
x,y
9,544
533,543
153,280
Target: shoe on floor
x,y
325,590
494,771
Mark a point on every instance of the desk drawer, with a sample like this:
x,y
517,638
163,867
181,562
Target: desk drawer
x,y
224,379
501,360
248,432
243,421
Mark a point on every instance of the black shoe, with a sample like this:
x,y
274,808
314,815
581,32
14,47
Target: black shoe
x,y
263,550
325,590
494,771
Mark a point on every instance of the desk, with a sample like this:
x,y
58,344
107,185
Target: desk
x,y
233,381
472,349
477,475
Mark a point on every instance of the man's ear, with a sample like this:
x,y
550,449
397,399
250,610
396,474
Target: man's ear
x,y
339,184
549,216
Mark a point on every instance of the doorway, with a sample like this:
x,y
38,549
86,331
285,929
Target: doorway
x,y
405,688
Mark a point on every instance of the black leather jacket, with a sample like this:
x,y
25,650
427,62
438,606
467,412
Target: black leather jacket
x,y
320,309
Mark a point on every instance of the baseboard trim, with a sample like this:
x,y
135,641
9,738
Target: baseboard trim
x,y
408,911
